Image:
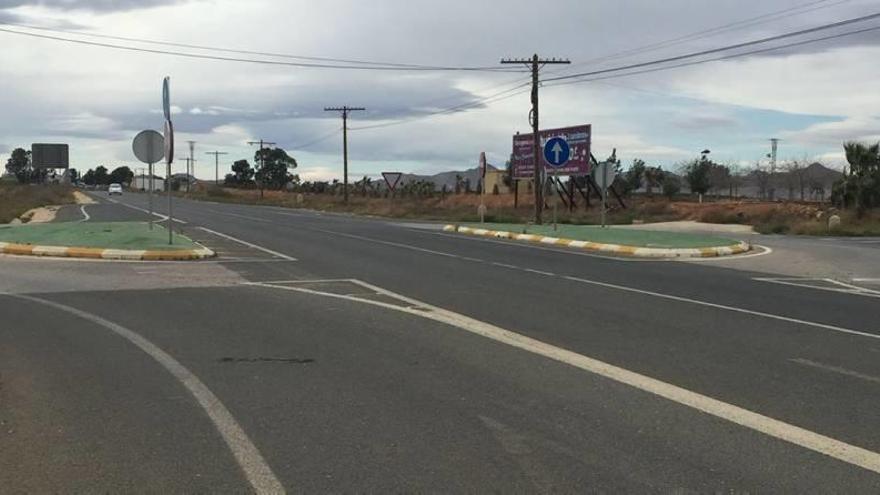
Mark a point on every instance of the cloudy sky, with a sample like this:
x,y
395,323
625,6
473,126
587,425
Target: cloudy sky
x,y
95,98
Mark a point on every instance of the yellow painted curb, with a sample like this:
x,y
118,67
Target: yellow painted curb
x,y
636,251
106,254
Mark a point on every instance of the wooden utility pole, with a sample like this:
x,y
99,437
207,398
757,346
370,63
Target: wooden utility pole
x,y
344,110
262,144
216,165
191,167
535,63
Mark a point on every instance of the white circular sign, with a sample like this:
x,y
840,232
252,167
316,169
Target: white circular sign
x,y
149,146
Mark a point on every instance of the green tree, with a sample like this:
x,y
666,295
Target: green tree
x,y
102,178
698,175
242,174
632,178
862,183
19,165
73,175
120,175
671,186
89,177
274,165
653,178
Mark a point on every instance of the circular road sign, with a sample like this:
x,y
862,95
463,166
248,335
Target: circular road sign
x,y
166,98
557,152
149,146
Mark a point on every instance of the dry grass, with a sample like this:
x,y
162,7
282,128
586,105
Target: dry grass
x,y
16,199
766,217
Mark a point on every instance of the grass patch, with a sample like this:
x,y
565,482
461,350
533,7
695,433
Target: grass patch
x,y
625,237
102,235
16,199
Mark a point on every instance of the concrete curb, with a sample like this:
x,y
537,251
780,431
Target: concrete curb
x,y
106,254
641,252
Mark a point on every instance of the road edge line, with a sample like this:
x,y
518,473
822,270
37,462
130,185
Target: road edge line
x,y
247,455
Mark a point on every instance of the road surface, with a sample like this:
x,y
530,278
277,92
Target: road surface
x,y
325,352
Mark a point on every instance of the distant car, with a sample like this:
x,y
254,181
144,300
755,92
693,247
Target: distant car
x,y
114,189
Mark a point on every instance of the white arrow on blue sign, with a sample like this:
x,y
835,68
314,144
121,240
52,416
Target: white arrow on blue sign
x,y
557,152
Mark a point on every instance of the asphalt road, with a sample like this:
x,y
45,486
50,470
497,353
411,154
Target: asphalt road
x,y
275,367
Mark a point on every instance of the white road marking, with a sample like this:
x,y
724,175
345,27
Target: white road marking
x,y
765,250
724,307
144,210
248,244
539,272
816,442
245,217
799,282
836,369
505,265
86,216
255,468
404,246
866,280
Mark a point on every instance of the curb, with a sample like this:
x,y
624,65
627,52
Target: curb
x,y
106,254
640,252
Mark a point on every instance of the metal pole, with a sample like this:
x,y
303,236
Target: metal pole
x,y
555,199
170,214
151,196
604,191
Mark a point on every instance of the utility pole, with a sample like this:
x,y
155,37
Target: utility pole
x,y
345,110
191,164
262,144
535,63
774,145
216,165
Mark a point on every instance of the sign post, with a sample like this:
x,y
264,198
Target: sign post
x,y
557,153
482,209
149,147
606,174
169,151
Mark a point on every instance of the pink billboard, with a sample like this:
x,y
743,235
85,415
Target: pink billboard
x,y
578,139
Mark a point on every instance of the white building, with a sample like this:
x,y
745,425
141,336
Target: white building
x,y
142,183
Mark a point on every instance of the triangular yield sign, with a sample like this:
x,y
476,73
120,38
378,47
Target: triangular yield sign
x,y
392,178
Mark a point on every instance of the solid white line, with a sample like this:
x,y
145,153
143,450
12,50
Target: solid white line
x,y
255,468
764,252
248,244
86,216
836,369
866,280
163,217
726,308
772,427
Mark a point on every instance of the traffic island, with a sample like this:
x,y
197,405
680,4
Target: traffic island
x,y
99,240
610,240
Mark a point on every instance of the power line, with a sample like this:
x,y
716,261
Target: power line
x,y
705,33
454,109
726,57
398,67
718,50
317,140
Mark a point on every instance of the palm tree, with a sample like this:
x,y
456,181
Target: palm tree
x,y
863,162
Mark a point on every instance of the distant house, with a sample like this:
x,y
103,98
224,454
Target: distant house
x,y
142,183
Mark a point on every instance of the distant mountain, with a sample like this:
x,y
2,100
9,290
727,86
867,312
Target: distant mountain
x,y
447,178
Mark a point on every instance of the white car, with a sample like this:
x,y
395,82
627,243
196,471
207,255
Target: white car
x,y
114,189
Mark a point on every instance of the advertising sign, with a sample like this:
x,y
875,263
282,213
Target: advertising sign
x,y
50,155
565,151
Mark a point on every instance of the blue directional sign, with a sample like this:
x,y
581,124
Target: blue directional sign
x,y
557,152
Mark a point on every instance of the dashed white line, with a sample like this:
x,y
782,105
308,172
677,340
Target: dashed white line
x,y
163,217
726,308
539,272
397,244
836,369
248,244
255,468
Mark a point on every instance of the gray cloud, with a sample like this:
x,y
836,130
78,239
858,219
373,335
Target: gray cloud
x,y
90,5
